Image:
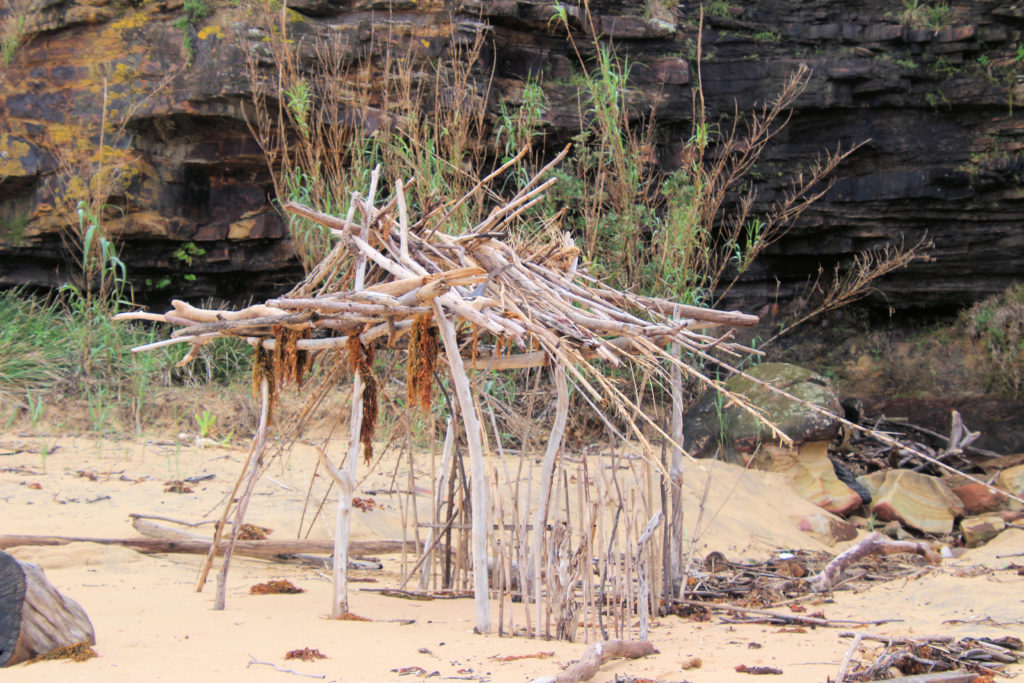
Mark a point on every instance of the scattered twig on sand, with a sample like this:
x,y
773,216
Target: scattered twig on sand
x,y
789,618
598,654
275,667
946,659
872,544
844,668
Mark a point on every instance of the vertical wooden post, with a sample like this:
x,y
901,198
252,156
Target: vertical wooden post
x,y
540,516
343,518
675,472
643,602
347,480
478,484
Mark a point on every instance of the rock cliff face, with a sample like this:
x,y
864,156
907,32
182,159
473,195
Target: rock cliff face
x,y
166,83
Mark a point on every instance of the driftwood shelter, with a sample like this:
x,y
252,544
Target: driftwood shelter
x,y
472,299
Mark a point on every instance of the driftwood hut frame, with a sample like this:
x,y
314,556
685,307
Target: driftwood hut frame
x,y
494,307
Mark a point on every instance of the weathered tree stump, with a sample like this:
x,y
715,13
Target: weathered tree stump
x,y
35,619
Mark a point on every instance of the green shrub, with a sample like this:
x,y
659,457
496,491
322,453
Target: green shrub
x,y
998,324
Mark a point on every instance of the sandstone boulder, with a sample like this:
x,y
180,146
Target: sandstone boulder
x,y
981,529
713,428
979,499
1012,480
915,500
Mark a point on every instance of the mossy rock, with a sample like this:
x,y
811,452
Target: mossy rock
x,y
712,424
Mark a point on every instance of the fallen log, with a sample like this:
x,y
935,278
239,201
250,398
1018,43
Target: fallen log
x,y
268,549
35,619
598,654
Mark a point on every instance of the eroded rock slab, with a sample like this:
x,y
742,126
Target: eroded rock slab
x,y
915,500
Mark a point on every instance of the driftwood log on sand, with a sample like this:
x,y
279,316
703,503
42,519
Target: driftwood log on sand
x,y
35,619
265,549
598,654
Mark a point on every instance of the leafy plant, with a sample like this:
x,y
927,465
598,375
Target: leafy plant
x,y
944,68
36,407
185,256
101,406
207,422
299,100
939,17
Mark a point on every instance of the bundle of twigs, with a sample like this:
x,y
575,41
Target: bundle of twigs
x,y
521,307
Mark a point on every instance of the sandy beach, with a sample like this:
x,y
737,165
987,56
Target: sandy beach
x,y
151,624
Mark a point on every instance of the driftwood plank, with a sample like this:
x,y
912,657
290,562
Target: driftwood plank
x,y
266,549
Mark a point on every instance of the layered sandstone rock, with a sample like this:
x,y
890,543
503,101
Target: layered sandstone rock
x,y
942,157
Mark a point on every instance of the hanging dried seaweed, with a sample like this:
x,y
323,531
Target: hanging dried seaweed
x,y
290,363
419,370
360,359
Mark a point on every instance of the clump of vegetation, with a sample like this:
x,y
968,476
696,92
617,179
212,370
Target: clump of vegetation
x,y
718,8
195,11
935,17
998,324
681,234
12,33
67,344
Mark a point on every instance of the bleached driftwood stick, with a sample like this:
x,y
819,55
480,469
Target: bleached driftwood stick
x,y
844,668
253,469
478,484
872,544
346,481
598,654
440,485
643,595
675,475
540,515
